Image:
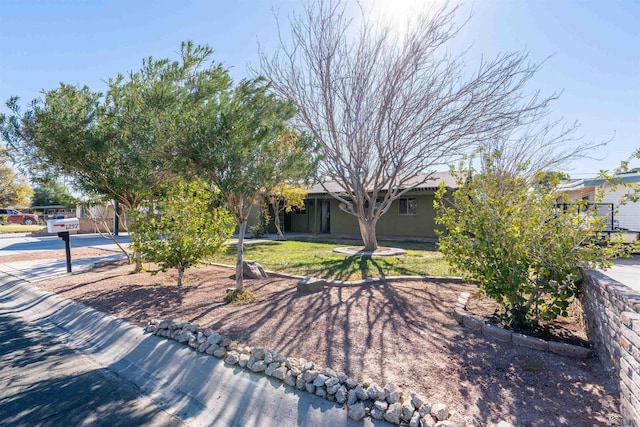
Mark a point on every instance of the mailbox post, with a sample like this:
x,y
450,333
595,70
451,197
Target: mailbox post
x,y
64,227
65,236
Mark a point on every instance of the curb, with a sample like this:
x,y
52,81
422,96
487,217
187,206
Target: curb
x,y
128,353
366,400
14,235
503,335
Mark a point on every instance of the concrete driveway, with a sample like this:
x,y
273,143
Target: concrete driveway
x,y
626,271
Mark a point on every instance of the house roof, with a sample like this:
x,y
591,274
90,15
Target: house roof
x,y
626,178
432,183
579,184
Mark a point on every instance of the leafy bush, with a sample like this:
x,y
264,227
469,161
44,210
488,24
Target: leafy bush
x,y
187,231
239,297
521,246
3,220
261,228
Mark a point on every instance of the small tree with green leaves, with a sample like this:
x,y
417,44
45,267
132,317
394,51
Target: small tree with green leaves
x,y
244,147
187,230
524,249
285,198
52,193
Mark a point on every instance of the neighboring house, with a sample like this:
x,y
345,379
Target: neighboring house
x,y
625,216
55,211
413,215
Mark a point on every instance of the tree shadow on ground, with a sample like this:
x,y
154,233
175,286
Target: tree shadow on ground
x,y
51,385
360,266
534,388
135,301
358,329
400,332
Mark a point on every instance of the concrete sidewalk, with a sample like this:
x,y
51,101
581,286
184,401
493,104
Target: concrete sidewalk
x,y
195,387
626,271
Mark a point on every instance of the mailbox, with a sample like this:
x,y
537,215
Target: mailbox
x,y
71,225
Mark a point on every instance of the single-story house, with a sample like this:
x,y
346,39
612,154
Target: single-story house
x,y
625,216
412,215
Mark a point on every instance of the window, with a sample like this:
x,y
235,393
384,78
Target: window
x,y
376,206
408,206
300,210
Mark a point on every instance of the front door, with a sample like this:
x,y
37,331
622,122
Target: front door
x,y
325,224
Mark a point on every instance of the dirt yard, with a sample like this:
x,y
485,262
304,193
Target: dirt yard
x,y
401,332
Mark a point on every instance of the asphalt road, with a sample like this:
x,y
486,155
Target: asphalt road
x,y
46,383
47,243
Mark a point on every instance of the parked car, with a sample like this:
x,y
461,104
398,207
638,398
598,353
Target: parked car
x,y
18,217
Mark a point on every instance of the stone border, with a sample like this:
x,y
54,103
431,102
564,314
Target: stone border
x,y
384,251
387,403
503,335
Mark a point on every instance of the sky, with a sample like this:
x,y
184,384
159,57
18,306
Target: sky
x,y
590,49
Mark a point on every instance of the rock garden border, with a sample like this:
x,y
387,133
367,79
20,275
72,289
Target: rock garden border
x,y
387,403
503,335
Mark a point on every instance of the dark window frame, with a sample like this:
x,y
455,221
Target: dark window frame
x,y
406,203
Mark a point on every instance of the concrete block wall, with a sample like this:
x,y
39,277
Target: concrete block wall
x,y
612,314
87,225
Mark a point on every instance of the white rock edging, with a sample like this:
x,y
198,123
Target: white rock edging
x,y
388,402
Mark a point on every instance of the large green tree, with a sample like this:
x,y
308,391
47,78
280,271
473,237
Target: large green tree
x,y
245,148
119,144
52,193
14,190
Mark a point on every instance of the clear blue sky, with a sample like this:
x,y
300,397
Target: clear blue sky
x,y
594,47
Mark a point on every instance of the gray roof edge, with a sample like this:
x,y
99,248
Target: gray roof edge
x,y
436,177
617,179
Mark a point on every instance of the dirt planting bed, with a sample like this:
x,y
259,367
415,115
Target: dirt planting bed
x,y
401,332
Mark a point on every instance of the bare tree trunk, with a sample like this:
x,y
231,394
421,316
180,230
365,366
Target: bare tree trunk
x,y
368,232
387,109
138,259
241,231
180,274
107,234
276,221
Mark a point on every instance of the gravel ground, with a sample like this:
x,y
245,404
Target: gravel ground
x,y
401,332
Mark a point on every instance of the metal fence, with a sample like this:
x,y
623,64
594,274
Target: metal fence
x,y
605,210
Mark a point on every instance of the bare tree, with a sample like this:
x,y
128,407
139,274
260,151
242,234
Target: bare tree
x,y
387,107
544,146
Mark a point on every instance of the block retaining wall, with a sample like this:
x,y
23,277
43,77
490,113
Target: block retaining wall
x,y
612,315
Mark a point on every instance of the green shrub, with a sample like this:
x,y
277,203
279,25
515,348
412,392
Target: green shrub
x,y
187,231
261,228
510,235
